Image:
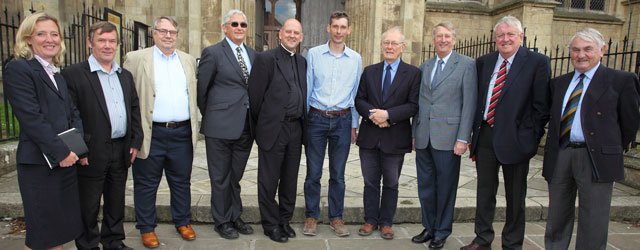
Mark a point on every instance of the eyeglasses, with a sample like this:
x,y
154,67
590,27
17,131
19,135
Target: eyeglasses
x,y
235,24
167,32
392,44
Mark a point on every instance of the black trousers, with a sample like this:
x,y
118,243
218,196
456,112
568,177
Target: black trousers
x,y
226,161
515,186
111,184
278,172
380,204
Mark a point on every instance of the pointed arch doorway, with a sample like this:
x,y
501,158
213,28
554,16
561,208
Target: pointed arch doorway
x,y
314,14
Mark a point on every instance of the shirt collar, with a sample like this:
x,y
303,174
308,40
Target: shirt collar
x,y
588,74
48,67
233,45
394,64
291,53
159,52
94,65
445,58
510,59
326,50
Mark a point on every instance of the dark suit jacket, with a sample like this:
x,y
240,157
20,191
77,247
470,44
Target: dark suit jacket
x,y
523,107
269,94
222,92
401,104
86,91
42,110
610,118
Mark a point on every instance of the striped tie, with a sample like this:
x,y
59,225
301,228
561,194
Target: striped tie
x,y
569,113
497,90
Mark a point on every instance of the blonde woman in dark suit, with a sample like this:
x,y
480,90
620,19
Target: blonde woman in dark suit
x,y
40,100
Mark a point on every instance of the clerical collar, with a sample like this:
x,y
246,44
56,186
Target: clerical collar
x,y
291,53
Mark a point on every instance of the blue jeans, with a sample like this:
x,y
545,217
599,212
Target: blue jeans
x,y
335,129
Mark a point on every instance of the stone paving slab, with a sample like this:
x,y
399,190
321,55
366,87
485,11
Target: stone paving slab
x,y
625,201
621,236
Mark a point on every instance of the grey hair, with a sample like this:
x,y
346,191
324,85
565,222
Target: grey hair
x,y
589,35
447,25
168,18
392,30
511,21
232,12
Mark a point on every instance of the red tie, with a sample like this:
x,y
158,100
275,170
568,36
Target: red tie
x,y
497,90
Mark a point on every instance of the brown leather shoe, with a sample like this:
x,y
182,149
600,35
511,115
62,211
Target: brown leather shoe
x,y
474,246
366,229
187,232
150,240
386,232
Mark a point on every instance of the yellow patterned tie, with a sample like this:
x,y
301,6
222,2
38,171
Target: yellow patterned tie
x,y
569,113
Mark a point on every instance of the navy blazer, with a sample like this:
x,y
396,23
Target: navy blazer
x,y
401,104
42,110
86,92
523,106
610,118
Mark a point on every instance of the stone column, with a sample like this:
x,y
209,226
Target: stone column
x,y
633,24
212,12
412,20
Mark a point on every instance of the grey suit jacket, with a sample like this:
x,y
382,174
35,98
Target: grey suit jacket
x,y
222,92
446,111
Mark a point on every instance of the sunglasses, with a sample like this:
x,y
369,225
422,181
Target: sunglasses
x,y
235,24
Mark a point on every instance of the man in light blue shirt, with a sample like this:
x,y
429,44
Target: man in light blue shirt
x,y
109,107
333,73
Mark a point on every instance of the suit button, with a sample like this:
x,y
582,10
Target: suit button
x,y
592,133
599,113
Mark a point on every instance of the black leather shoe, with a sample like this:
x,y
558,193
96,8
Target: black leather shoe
x,y
288,231
276,234
437,243
242,227
227,231
423,237
120,247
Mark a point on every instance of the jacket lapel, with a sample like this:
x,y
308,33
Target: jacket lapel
x,y
231,56
448,68
426,75
487,73
518,62
596,89
559,93
378,74
94,81
147,62
285,69
36,66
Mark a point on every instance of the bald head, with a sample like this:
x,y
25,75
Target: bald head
x,y
291,34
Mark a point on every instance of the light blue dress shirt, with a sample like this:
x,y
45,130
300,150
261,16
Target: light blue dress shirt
x,y
171,94
243,51
113,96
492,83
332,80
576,134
